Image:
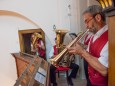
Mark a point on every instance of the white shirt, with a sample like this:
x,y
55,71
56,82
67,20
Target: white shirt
x,y
103,59
90,34
51,53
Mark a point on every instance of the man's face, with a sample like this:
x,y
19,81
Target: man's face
x,y
90,22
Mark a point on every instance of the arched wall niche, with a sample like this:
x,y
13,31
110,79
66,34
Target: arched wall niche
x,y
15,14
33,25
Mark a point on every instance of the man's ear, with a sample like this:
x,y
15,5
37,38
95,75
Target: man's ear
x,y
98,17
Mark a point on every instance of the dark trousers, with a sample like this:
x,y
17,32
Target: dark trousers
x,y
53,75
86,72
73,73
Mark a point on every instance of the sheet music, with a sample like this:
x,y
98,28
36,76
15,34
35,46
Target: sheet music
x,y
42,71
40,75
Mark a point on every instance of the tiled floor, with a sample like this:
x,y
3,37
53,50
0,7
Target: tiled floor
x,y
63,82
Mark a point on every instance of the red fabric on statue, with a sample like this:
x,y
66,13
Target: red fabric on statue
x,y
40,50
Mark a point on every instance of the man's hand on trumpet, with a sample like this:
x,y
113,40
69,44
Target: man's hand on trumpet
x,y
77,49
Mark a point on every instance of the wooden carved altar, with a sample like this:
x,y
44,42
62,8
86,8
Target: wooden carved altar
x,y
31,70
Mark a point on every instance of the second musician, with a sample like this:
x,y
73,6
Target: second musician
x,y
73,66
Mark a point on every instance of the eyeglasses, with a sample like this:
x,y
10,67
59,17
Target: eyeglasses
x,y
87,21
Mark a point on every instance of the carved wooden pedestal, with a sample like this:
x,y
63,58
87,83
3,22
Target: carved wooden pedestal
x,y
31,70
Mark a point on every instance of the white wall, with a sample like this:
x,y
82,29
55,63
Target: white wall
x,y
9,44
23,14
43,12
31,14
92,2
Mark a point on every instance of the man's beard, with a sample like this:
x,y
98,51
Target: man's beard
x,y
93,30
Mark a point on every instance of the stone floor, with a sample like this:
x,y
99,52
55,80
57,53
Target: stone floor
x,y
63,82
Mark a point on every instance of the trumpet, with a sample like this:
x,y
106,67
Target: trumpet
x,y
57,58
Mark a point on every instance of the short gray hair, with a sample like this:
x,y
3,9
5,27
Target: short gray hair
x,y
95,9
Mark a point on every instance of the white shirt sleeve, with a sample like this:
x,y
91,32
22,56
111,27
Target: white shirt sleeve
x,y
103,59
51,53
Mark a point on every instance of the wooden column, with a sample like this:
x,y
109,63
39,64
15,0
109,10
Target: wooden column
x,y
111,70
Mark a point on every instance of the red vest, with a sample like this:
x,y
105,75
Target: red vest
x,y
86,41
95,48
55,50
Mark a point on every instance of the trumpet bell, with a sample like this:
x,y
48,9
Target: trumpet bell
x,y
60,34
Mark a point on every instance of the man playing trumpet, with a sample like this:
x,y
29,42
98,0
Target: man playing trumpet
x,y
97,52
